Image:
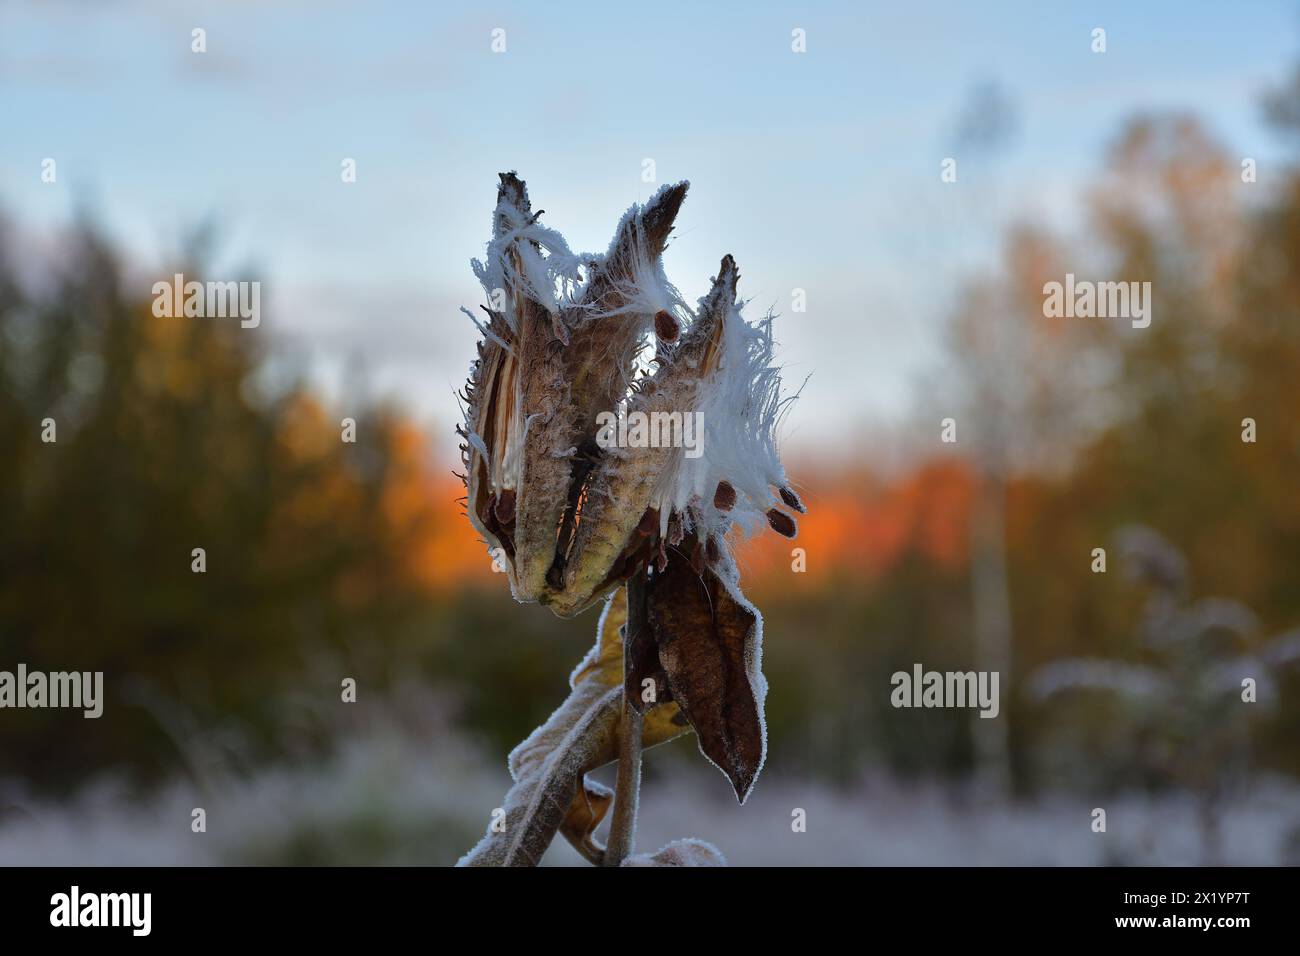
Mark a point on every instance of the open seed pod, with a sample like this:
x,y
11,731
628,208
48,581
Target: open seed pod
x,y
614,438
565,501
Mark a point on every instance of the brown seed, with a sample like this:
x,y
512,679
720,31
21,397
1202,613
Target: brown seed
x,y
724,499
676,530
793,500
782,523
666,326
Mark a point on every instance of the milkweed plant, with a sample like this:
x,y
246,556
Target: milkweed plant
x,y
616,443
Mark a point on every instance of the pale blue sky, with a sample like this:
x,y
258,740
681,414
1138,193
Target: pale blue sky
x,y
818,171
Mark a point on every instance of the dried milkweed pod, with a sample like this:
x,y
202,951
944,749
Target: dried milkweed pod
x,y
580,355
562,349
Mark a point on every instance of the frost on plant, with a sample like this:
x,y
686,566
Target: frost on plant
x,y
645,528
1183,704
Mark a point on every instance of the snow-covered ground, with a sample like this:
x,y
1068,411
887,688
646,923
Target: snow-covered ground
x,y
888,823
388,797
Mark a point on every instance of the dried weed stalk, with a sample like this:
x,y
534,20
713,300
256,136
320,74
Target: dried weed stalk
x,y
579,519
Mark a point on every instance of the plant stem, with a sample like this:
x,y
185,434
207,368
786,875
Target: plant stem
x,y
622,827
627,788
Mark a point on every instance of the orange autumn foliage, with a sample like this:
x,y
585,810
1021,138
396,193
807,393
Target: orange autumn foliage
x,y
858,524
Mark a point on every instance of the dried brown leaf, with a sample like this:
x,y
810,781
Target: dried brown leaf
x,y
604,665
710,646
589,807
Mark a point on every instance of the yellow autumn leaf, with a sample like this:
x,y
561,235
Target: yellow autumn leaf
x,y
604,664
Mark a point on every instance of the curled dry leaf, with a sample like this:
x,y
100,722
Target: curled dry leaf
x,y
710,644
688,852
551,791
589,807
547,769
604,665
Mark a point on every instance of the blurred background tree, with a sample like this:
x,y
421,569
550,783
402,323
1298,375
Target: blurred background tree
x,y
327,559
175,434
